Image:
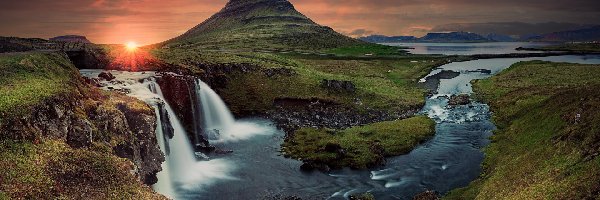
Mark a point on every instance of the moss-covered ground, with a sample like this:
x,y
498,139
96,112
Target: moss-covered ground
x,y
359,147
48,168
53,170
28,78
548,137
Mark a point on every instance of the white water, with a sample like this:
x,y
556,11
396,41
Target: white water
x,y
215,112
181,170
219,124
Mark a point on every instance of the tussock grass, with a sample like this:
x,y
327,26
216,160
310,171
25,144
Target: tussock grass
x,y
549,133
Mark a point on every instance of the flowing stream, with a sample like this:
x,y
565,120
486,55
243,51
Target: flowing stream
x,y
255,169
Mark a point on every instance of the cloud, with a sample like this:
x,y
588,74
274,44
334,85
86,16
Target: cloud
x,y
151,21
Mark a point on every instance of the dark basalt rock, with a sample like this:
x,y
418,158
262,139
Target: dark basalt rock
x,y
106,76
338,86
291,114
483,71
461,99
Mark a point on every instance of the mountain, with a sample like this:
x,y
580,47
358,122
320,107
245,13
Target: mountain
x,y
430,38
513,29
71,38
387,39
580,35
453,37
260,24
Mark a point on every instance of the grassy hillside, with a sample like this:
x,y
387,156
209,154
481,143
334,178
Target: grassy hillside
x,y
386,80
547,144
28,78
45,111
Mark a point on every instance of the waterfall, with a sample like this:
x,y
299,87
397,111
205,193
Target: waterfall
x,y
219,124
181,170
215,113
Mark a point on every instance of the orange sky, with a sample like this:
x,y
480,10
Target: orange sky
x,y
152,21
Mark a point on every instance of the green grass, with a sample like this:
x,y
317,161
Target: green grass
x,y
539,150
365,49
27,79
52,170
361,144
385,83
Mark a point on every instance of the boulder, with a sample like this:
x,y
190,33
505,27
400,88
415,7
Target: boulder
x,y
338,86
461,99
106,76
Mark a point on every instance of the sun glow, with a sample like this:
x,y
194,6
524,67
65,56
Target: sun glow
x,y
131,46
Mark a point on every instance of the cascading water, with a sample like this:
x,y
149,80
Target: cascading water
x,y
181,170
216,114
219,124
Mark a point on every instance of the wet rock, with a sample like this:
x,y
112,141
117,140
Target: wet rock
x,y
310,166
338,86
427,195
292,113
483,71
92,81
106,76
433,82
461,99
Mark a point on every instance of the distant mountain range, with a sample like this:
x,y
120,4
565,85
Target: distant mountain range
x,y
586,34
71,38
581,35
430,37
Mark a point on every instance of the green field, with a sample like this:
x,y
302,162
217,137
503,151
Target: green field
x,y
546,145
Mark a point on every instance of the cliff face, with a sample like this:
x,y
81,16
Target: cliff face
x,y
79,142
116,123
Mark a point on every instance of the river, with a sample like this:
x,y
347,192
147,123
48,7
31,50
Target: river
x,y
451,159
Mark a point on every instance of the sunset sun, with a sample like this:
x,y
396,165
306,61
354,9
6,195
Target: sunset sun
x,y
131,46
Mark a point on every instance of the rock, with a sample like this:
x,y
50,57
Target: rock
x,y
461,99
427,195
338,86
483,71
92,81
106,76
271,72
310,166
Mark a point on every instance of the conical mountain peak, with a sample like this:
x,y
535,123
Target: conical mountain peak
x,y
261,24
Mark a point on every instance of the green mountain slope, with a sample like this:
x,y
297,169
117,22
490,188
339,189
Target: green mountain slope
x,y
260,25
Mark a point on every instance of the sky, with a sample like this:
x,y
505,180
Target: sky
x,y
152,21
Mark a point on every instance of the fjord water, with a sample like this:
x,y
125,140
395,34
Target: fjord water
x,y
255,169
468,48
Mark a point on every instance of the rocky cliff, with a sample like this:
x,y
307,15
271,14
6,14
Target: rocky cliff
x,y
78,142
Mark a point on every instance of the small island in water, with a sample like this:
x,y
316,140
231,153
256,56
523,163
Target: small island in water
x,y
261,100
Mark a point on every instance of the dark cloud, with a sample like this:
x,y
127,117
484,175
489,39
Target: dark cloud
x,y
149,21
